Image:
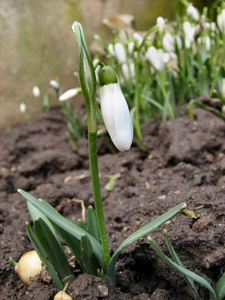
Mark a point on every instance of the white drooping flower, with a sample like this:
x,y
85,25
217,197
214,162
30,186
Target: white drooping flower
x,y
189,33
23,108
130,47
118,51
128,70
205,41
156,57
168,42
69,94
138,38
36,91
223,87
193,12
54,84
115,111
161,23
221,21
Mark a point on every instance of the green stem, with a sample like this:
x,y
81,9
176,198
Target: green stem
x,y
88,84
92,141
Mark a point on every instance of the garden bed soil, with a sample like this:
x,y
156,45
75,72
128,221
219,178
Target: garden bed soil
x,y
183,161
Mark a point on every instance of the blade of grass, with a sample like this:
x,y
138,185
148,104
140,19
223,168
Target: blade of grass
x,y
182,270
177,260
140,233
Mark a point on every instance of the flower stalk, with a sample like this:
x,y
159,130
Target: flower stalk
x,y
88,85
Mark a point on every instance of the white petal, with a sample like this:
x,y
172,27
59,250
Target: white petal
x,y
36,91
120,52
69,94
116,116
54,84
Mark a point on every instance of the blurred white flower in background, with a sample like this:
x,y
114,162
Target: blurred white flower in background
x,y
193,12
54,84
70,94
205,41
161,23
221,21
156,57
117,50
138,38
36,91
128,70
23,108
189,32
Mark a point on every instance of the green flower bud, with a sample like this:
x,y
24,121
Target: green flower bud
x,y
107,75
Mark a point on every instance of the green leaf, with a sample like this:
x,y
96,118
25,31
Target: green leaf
x,y
88,258
139,234
209,108
69,231
54,250
86,68
92,223
44,257
177,260
182,270
220,287
81,224
35,214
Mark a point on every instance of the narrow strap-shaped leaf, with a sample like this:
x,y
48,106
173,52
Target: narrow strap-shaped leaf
x,y
63,225
177,260
73,243
220,287
92,223
140,233
36,213
55,252
89,260
43,256
81,224
182,270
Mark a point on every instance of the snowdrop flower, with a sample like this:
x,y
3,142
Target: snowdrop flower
x,y
117,50
128,70
54,84
168,42
221,21
23,108
115,111
111,49
161,23
189,32
130,47
193,12
36,91
205,40
223,87
120,53
69,94
138,38
155,56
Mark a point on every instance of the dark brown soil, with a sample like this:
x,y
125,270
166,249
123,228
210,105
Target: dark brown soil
x,y
186,163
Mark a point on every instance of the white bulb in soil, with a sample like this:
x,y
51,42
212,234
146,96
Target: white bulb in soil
x,y
29,267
